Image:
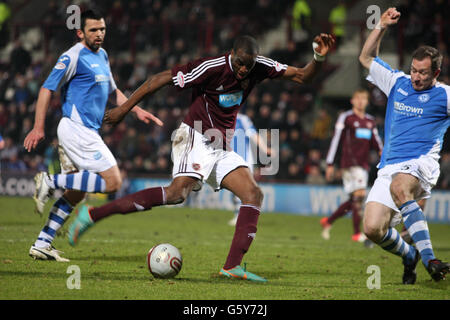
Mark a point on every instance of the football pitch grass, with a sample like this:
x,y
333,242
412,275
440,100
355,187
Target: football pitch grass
x,y
288,251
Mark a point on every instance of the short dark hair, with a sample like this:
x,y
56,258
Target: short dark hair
x,y
426,51
89,14
247,44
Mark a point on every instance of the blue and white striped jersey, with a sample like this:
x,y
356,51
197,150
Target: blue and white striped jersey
x,y
85,80
416,121
241,142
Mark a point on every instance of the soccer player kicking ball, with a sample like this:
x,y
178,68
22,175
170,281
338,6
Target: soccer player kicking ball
x,y
417,117
83,74
357,134
200,147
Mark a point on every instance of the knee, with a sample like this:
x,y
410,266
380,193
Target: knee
x,y
176,194
113,184
373,231
254,196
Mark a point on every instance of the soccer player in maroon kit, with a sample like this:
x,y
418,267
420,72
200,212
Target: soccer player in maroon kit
x,y
200,150
356,133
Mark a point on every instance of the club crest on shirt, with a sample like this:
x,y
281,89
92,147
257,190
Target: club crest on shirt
x,y
97,155
424,97
196,166
60,66
277,66
180,79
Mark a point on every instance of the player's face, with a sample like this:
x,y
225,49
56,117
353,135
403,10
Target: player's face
x,y
242,63
93,34
422,76
360,100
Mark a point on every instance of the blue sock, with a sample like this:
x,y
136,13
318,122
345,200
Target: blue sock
x,y
414,221
58,215
393,242
82,181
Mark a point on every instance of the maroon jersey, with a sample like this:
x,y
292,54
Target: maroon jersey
x,y
356,136
216,94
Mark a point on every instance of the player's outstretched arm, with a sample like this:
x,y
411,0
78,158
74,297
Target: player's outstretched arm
x,y
140,113
150,86
38,132
322,44
372,45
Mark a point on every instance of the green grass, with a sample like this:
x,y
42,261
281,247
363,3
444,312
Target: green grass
x,y
288,251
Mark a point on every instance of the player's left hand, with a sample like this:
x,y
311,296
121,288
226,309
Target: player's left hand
x,y
146,116
325,42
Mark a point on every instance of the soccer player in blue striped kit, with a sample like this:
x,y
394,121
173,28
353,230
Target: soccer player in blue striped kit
x,y
417,117
83,74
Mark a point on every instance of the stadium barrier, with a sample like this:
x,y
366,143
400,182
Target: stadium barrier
x,y
298,199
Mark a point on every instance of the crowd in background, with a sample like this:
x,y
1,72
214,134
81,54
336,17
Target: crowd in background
x,y
305,131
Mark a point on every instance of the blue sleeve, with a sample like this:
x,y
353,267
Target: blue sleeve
x,y
61,73
383,76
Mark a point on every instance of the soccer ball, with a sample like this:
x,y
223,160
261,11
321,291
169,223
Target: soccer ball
x,y
164,261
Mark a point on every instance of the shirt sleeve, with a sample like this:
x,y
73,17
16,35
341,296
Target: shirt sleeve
x,y
112,83
447,93
62,72
270,68
383,76
335,141
196,72
376,142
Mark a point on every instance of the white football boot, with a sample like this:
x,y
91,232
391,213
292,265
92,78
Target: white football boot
x,y
48,253
42,192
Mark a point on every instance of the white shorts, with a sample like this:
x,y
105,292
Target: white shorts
x,y
81,148
193,155
354,178
426,169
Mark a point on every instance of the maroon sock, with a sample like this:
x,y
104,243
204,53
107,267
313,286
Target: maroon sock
x,y
356,207
138,201
342,210
243,235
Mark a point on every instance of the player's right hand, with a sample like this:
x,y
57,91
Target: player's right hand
x,y
389,17
33,138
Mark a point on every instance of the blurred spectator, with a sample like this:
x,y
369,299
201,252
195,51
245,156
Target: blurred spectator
x,y
301,23
321,129
337,19
5,13
20,59
315,176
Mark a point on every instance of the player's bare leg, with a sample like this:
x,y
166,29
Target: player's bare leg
x,y
404,189
377,218
178,191
106,181
113,179
142,200
241,183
